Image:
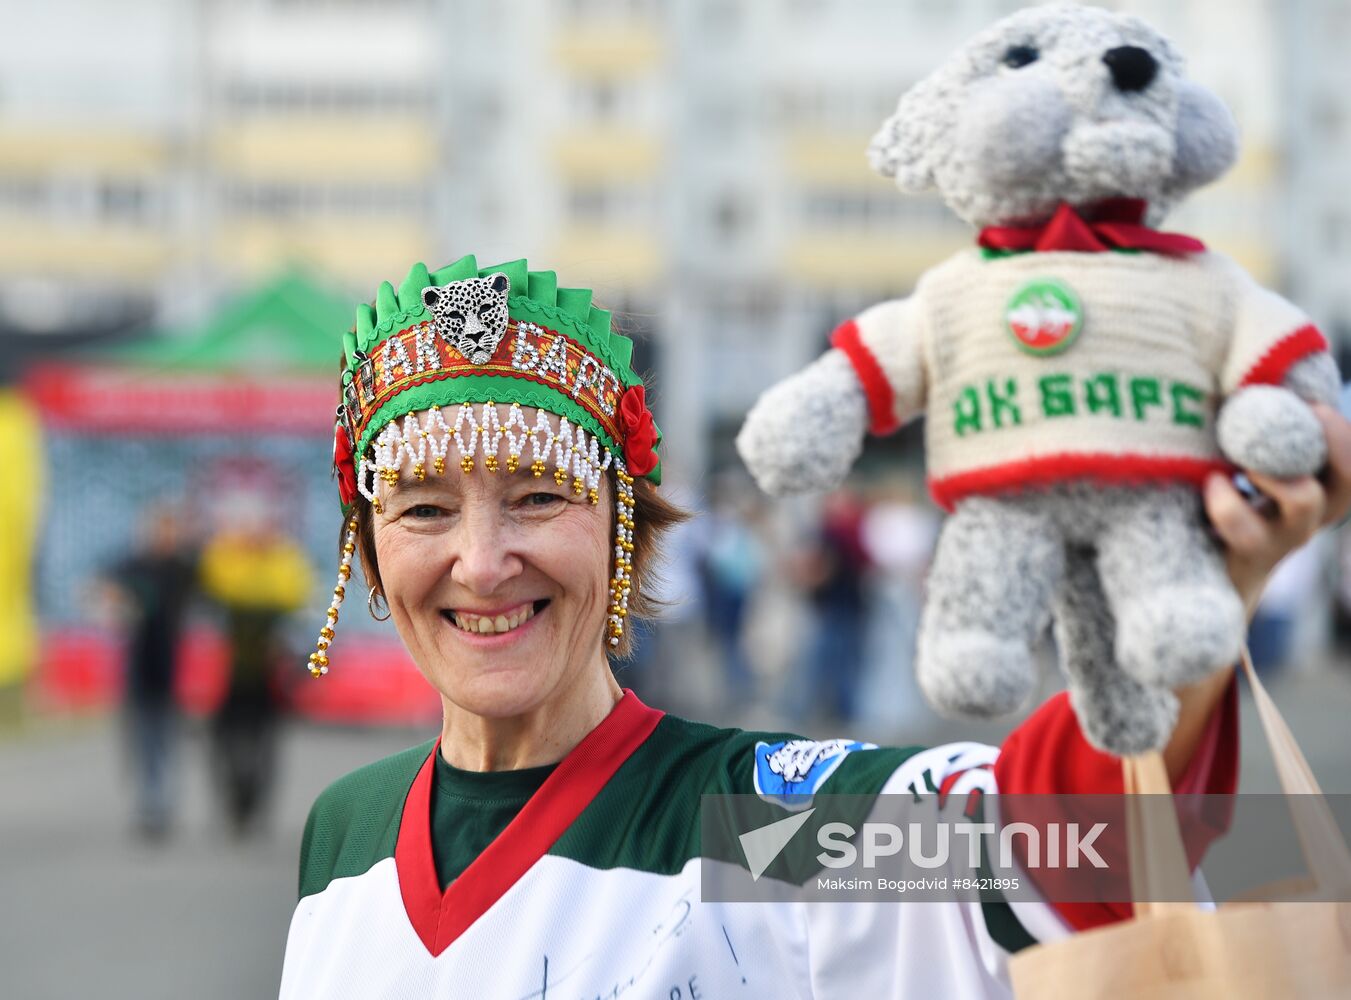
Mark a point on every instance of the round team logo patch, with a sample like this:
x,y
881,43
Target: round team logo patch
x,y
1044,316
788,773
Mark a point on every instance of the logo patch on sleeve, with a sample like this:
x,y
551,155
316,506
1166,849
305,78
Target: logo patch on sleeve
x,y
786,772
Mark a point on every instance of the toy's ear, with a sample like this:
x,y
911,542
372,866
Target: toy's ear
x,y
430,296
500,283
1207,138
903,146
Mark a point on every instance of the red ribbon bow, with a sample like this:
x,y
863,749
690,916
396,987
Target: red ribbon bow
x,y
640,432
1117,223
342,462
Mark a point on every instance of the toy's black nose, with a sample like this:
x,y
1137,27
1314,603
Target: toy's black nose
x,y
1132,67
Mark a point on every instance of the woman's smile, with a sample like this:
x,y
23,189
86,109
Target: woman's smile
x,y
492,628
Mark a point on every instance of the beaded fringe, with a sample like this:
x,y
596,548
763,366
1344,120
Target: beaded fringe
x,y
573,452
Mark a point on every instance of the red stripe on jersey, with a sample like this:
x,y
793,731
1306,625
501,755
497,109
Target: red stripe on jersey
x,y
439,918
946,786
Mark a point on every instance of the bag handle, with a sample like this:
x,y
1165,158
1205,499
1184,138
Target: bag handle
x,y
1160,878
1158,860
1320,840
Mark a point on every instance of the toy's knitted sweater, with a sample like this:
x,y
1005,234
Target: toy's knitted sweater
x,y
1040,367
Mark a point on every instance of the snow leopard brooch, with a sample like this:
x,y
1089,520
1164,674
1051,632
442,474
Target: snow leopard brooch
x,y
470,315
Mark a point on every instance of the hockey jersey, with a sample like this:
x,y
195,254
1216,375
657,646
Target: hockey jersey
x,y
593,889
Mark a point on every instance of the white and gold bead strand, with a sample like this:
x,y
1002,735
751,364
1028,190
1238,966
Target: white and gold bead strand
x,y
621,583
515,442
421,449
319,658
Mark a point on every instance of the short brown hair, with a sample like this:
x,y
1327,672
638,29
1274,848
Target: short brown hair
x,y
653,517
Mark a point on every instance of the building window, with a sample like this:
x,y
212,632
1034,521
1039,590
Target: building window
x,y
123,200
831,110
280,200
876,210
30,196
612,9
610,204
321,97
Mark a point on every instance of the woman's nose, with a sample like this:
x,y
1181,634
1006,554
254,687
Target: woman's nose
x,y
1132,67
485,558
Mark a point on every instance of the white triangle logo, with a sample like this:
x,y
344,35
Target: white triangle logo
x,y
762,846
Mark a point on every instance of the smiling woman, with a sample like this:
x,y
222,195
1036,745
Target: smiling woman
x,y
498,470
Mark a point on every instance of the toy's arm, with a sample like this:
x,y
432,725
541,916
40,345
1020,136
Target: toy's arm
x,y
805,432
1278,363
884,346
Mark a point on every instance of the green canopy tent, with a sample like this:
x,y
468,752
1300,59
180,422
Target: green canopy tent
x,y
289,324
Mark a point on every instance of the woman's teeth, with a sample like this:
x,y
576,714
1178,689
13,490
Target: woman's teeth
x,y
485,624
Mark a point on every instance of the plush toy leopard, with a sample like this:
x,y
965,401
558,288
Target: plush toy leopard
x,y
1082,374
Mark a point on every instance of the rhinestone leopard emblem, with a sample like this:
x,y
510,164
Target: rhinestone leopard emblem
x,y
470,315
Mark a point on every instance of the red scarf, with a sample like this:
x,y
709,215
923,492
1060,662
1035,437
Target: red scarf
x,y
1118,223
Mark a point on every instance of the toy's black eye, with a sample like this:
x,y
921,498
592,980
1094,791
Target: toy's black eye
x,y
1019,56
456,315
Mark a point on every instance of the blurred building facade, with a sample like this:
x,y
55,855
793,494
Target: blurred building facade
x,y
698,162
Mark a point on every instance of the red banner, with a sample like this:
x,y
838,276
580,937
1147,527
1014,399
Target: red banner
x,y
110,400
372,681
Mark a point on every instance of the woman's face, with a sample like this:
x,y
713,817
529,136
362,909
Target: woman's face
x,y
498,583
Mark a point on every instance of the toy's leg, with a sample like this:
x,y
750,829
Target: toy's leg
x,y
1116,712
1178,617
989,596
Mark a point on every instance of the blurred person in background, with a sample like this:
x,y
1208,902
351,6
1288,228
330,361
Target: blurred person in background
x,y
1295,589
547,840
899,533
732,565
150,591
256,576
1341,604
660,671
833,572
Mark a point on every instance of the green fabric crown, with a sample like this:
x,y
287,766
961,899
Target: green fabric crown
x,y
535,297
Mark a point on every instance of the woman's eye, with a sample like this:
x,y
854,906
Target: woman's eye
x,y
1019,56
541,499
423,512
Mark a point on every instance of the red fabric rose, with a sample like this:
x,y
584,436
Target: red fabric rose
x,y
342,462
640,433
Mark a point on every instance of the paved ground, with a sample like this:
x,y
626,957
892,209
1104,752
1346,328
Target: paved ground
x,y
88,911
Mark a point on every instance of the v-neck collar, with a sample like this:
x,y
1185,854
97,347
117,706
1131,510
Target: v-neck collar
x,y
439,918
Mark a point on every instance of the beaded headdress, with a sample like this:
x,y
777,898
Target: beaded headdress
x,y
453,344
